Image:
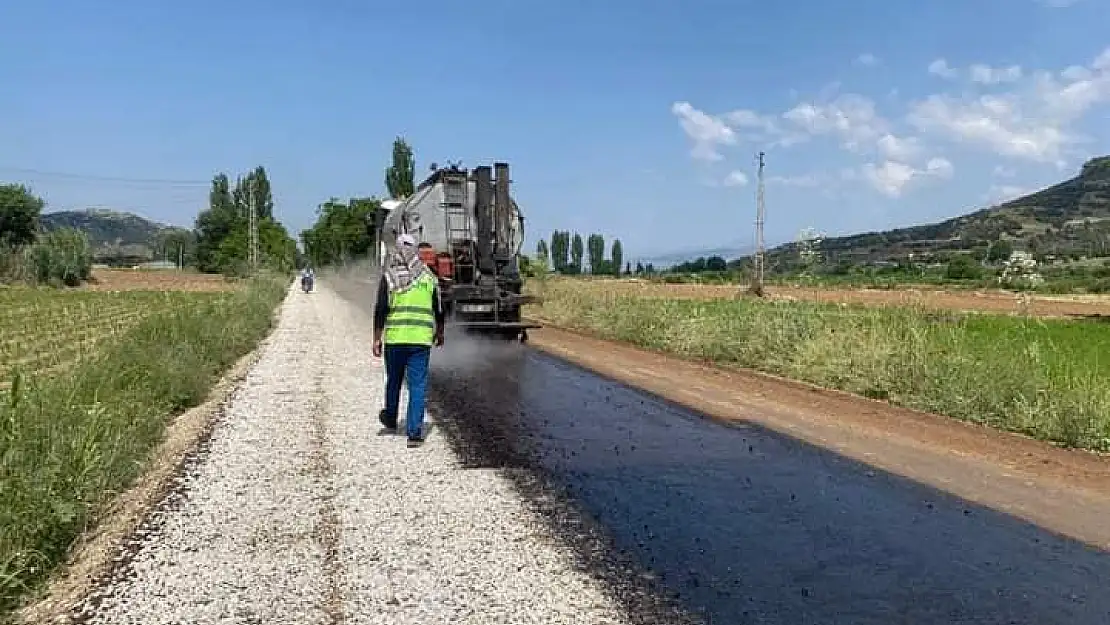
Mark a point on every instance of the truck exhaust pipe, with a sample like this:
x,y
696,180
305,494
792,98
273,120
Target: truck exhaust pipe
x,y
483,217
502,210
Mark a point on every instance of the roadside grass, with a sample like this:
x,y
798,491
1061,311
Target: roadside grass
x,y
1046,378
69,442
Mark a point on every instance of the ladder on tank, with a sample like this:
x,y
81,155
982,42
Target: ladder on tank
x,y
458,223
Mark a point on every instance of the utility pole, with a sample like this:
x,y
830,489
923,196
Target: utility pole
x,y
760,211
252,253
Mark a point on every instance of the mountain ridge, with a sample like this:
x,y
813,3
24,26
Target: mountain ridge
x,y
117,235
1070,219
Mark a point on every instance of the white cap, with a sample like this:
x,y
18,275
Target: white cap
x,y
406,240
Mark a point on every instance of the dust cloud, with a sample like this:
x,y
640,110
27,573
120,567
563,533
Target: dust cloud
x,y
461,353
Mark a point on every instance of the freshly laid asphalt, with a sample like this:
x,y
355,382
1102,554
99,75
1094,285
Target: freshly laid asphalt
x,y
745,525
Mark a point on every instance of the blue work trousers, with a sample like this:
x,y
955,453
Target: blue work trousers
x,y
409,361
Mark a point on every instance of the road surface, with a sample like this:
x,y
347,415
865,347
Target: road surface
x,y
752,526
299,511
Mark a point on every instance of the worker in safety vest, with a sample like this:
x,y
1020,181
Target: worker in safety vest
x,y
408,321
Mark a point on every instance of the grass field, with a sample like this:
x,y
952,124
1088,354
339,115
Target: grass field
x,y
926,296
90,380
1046,378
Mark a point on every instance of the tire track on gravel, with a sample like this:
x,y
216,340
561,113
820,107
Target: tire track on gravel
x,y
327,529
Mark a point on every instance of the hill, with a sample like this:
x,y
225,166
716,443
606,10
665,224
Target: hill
x,y
117,236
664,260
1067,220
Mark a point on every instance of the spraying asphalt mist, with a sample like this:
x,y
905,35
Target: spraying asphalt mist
x,y
462,352
356,282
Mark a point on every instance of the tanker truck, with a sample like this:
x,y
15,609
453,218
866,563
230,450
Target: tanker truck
x,y
476,231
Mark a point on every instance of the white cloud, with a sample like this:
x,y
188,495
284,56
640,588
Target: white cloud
x,y
851,117
939,167
707,132
991,122
1035,121
1102,61
941,68
988,75
1007,111
891,177
867,60
852,120
897,148
745,118
999,193
805,180
736,179
1058,4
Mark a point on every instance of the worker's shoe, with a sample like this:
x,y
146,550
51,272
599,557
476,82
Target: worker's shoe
x,y
389,424
416,441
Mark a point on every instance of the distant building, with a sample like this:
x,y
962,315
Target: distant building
x,y
158,264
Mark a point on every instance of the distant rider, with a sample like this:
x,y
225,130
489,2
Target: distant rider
x,y
408,319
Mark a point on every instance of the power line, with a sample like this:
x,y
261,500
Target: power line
x,y
95,178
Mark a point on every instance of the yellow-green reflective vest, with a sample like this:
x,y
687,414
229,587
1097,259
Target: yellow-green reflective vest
x,y
411,318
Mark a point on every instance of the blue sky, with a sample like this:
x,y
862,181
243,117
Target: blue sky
x,y
638,119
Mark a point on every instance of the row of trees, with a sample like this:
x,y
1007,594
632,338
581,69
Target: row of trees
x,y
565,254
341,233
343,230
223,230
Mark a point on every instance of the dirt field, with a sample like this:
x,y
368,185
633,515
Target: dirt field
x,y
167,280
982,301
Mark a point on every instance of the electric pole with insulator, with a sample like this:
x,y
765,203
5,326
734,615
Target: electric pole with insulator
x,y
252,253
757,285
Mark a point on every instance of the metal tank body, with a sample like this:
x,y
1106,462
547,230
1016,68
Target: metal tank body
x,y
424,216
470,215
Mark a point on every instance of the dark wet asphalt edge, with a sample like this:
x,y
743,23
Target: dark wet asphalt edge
x,y
638,591
478,444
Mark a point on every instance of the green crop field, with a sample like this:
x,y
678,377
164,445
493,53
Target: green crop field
x,y
1046,378
45,332
90,380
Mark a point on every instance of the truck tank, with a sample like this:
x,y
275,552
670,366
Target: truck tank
x,y
471,216
424,213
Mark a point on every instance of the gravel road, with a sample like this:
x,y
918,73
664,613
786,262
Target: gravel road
x,y
299,510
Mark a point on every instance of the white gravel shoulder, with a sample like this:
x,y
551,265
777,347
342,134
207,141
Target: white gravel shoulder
x,y
302,512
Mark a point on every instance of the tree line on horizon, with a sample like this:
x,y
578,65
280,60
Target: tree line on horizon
x,y
345,230
218,242
565,253
223,230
